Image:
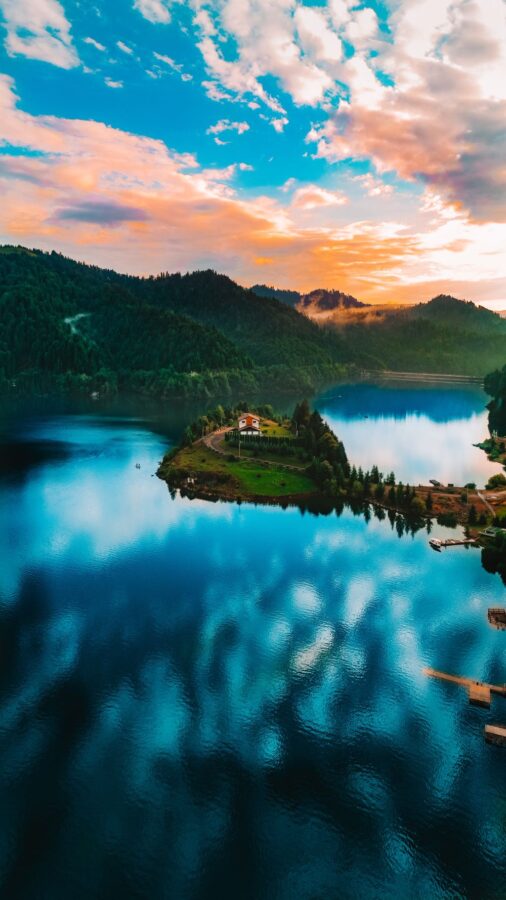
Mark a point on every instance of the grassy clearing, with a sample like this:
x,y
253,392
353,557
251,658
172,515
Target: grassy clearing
x,y
271,481
248,476
291,459
272,429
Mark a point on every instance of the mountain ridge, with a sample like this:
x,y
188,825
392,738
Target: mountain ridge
x,y
76,326
315,302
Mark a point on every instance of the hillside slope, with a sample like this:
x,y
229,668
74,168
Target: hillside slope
x,y
66,323
444,335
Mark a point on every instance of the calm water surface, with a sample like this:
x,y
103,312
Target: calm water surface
x,y
207,701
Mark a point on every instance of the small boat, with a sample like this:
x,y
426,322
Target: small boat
x,y
436,544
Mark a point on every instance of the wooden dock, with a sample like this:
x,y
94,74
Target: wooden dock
x,y
440,544
495,734
497,617
479,692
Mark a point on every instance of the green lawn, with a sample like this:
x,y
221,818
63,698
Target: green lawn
x,y
270,480
250,476
272,429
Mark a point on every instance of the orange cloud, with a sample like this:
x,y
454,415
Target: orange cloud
x,y
128,202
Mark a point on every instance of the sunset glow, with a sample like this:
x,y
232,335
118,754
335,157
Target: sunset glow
x,y
358,146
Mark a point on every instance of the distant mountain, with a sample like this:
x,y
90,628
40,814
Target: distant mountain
x,y
291,298
458,313
313,304
445,335
323,301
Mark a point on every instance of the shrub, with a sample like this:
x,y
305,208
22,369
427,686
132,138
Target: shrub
x,y
449,519
496,481
417,506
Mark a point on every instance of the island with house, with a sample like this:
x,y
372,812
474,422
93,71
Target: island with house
x,y
245,454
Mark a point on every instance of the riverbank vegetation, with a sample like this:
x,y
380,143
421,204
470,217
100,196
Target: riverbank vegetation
x,y
495,386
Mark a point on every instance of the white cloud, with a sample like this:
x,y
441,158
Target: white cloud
x,y
374,187
226,125
310,196
168,61
124,48
94,43
38,29
156,11
317,35
279,124
173,65
113,84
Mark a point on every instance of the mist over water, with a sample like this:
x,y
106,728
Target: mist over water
x,y
207,700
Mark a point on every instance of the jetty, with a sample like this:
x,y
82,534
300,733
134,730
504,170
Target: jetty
x,y
479,692
497,617
495,734
440,544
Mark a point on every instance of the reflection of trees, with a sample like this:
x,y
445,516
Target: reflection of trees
x,y
493,560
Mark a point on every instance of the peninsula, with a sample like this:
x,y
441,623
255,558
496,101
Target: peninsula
x,y
248,454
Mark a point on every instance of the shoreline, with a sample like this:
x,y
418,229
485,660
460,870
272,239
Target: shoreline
x,y
214,486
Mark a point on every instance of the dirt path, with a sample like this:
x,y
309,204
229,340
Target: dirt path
x,y
484,500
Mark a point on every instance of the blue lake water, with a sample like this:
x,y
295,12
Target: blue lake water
x,y
205,701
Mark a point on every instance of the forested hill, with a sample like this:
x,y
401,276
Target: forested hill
x,y
312,304
292,298
267,331
445,335
65,325
453,313
70,325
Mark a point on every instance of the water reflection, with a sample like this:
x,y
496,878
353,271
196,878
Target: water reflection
x,y
418,432
204,700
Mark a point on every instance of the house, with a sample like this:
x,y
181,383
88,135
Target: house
x,y
249,423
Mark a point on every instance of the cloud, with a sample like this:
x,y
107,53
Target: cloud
x,y
113,84
124,48
38,29
427,100
94,43
441,122
279,124
155,11
171,64
100,213
135,204
311,196
225,125
374,187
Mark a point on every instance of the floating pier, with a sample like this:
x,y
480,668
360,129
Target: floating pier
x,y
439,544
479,692
495,734
497,617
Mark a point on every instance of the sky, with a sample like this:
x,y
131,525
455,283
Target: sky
x,y
329,143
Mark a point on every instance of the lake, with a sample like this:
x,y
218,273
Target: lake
x,y
206,700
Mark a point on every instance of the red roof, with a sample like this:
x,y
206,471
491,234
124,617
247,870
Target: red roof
x,y
251,421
